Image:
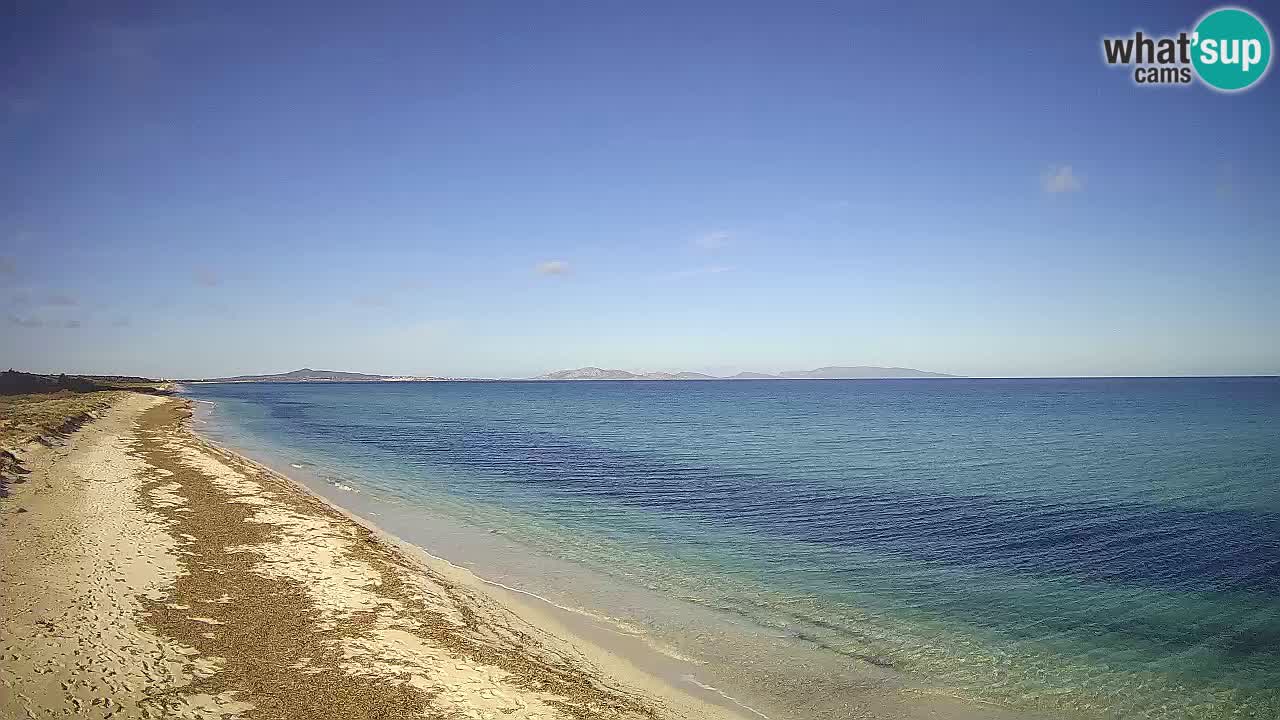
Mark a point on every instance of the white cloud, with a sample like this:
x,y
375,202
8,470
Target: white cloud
x,y
1061,179
713,240
552,267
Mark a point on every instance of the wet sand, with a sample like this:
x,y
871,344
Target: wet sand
x,y
148,573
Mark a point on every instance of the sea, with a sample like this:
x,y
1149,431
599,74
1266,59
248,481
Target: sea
x,y
1057,548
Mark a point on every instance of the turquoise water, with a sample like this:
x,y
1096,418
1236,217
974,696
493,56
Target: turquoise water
x,y
1092,547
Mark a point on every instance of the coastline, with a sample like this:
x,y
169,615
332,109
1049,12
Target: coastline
x,y
151,573
618,651
744,681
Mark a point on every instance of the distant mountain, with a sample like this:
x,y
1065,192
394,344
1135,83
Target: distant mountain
x,y
589,373
309,375
825,373
675,376
858,372
595,373
657,376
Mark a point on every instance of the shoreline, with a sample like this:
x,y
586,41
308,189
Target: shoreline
x,y
567,623
150,573
869,690
155,572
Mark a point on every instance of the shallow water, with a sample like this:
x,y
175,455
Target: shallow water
x,y
1103,547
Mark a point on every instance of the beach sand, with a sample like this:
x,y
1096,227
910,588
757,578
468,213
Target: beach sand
x,y
148,573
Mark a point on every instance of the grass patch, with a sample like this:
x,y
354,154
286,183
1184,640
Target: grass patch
x,y
41,408
26,418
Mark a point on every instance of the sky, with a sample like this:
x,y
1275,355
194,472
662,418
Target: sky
x,y
503,189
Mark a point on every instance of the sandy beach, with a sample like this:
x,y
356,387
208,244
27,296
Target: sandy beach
x,y
148,573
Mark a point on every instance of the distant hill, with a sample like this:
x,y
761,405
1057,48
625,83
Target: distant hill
x,y
585,373
857,372
309,375
658,376
589,373
595,373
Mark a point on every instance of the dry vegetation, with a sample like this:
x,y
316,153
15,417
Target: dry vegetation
x,y
27,418
42,408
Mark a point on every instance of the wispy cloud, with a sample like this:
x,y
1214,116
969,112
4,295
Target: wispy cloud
x,y
1061,179
413,284
695,272
26,322
1226,180
552,267
31,321
713,240
19,104
391,294
372,301
60,300
207,278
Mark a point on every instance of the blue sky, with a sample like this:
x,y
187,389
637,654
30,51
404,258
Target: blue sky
x,y
500,189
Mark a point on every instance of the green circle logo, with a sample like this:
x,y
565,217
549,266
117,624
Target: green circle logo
x,y
1232,49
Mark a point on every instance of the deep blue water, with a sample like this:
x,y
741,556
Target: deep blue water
x,y
1104,546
